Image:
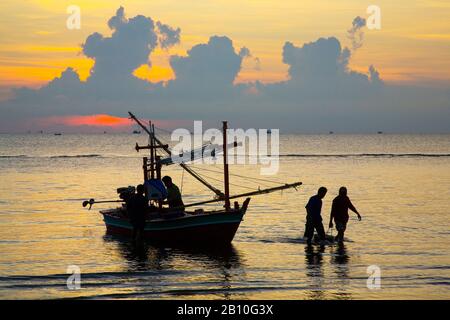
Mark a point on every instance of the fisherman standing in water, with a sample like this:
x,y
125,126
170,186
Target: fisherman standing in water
x,y
339,212
314,217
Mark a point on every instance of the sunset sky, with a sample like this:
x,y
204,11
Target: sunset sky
x,y
411,49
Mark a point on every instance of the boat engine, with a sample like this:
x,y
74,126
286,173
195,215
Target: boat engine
x,y
126,192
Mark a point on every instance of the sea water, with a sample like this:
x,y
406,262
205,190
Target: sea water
x,y
400,249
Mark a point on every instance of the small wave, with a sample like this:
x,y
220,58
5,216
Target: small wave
x,y
51,157
440,283
77,156
12,156
380,155
91,276
188,292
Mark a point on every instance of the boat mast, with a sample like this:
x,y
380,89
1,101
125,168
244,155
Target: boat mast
x,y
226,175
152,153
153,166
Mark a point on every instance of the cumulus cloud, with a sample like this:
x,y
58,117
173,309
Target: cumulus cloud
x,y
318,59
244,52
320,69
129,47
345,57
355,33
68,83
210,67
322,93
167,36
374,75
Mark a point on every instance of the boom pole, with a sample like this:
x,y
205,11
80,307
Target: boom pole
x,y
248,194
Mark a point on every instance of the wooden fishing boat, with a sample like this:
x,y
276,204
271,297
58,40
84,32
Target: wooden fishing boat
x,y
213,227
182,226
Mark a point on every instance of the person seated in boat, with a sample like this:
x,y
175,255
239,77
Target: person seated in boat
x,y
314,217
137,207
339,212
173,199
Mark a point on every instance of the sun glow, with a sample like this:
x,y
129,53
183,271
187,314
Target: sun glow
x,y
96,120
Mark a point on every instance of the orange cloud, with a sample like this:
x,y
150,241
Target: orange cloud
x,y
96,120
101,121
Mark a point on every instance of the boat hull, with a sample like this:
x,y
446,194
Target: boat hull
x,y
203,229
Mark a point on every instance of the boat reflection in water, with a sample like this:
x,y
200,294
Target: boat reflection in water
x,y
180,272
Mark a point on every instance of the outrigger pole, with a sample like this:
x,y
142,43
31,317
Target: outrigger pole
x,y
184,166
248,194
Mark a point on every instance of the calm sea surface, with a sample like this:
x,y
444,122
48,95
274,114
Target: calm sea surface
x,y
399,183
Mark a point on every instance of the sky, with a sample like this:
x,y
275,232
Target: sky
x,y
278,64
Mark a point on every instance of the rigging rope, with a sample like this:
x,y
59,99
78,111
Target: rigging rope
x,y
242,176
221,180
253,179
182,179
163,130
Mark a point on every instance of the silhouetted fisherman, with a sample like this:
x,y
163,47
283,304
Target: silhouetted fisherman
x,y
314,217
174,199
137,207
339,212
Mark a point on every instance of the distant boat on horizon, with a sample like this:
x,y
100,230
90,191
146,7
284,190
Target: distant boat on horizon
x,y
331,132
57,133
136,132
380,132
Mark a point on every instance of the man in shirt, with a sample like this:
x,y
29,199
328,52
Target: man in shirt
x,y
174,199
339,212
314,217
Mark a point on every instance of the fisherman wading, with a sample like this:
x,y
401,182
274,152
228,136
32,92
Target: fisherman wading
x,y
314,217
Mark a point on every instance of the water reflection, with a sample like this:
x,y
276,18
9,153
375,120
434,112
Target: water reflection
x,y
340,256
314,271
141,257
223,264
340,260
